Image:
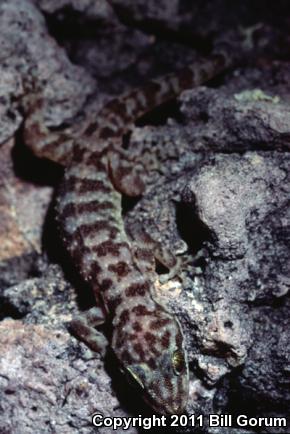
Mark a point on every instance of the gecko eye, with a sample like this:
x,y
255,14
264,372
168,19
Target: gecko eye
x,y
133,379
178,362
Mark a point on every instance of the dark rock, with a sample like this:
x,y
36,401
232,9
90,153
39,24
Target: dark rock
x,y
216,196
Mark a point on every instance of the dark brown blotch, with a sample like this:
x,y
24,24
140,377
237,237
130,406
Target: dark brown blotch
x,y
137,347
89,185
95,269
92,128
150,338
165,340
159,323
179,340
141,310
137,289
114,302
136,326
79,153
93,158
121,269
98,165
106,284
85,207
84,185
124,318
107,132
152,363
89,229
109,248
116,106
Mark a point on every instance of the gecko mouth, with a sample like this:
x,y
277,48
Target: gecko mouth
x,y
161,406
166,409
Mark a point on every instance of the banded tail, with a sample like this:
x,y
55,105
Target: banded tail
x,y
118,115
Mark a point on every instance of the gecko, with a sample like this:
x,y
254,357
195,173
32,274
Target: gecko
x,y
146,337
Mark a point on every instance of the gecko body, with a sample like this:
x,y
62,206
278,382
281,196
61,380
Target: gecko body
x,y
146,338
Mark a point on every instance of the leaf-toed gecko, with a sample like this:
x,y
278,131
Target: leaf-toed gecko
x,y
146,338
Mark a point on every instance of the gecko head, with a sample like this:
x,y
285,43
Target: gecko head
x,y
159,370
165,390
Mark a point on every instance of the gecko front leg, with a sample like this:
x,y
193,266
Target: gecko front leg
x,y
84,327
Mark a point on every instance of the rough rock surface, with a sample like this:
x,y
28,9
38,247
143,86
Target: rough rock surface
x,y
216,195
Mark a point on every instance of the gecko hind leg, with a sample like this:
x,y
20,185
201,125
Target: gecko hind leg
x,y
83,326
44,143
128,178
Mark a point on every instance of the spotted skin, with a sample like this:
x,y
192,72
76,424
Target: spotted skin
x,y
146,339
